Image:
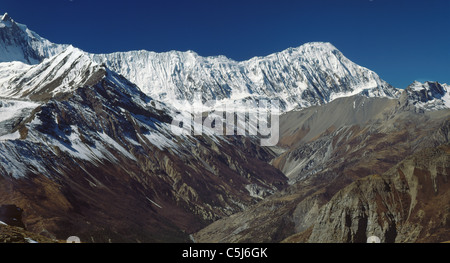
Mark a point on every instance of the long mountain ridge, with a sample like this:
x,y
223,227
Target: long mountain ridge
x,y
86,147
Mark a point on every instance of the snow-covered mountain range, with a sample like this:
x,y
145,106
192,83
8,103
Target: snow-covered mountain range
x,y
97,144
86,143
312,74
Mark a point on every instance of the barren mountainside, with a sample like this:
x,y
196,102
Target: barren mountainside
x,y
328,148
409,203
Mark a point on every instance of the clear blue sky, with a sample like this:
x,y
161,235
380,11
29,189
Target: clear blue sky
x,y
401,40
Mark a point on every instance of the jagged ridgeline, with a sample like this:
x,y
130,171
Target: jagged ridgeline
x,y
87,148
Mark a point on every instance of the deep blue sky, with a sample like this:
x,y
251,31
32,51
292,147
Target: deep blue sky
x,y
402,41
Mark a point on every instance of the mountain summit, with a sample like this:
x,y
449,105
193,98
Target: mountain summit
x,y
6,18
312,74
429,96
53,77
18,43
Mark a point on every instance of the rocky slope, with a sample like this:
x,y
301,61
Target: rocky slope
x,y
101,166
428,96
326,149
409,203
12,228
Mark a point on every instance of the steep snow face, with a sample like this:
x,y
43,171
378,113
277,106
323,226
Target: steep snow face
x,y
312,74
55,76
10,109
446,97
428,95
18,43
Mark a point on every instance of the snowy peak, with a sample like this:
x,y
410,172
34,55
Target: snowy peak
x,y
313,49
6,21
318,46
307,50
18,43
430,89
6,18
428,95
54,77
312,74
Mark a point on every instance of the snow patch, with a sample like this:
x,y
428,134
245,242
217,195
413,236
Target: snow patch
x,y
10,109
10,137
112,143
151,201
31,241
16,160
160,141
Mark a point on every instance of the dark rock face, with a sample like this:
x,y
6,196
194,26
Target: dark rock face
x,y
409,203
14,234
11,215
425,92
428,96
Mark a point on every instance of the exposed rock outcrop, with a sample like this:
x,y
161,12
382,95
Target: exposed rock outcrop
x,y
409,203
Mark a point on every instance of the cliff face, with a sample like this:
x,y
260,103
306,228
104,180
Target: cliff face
x,y
409,203
12,229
